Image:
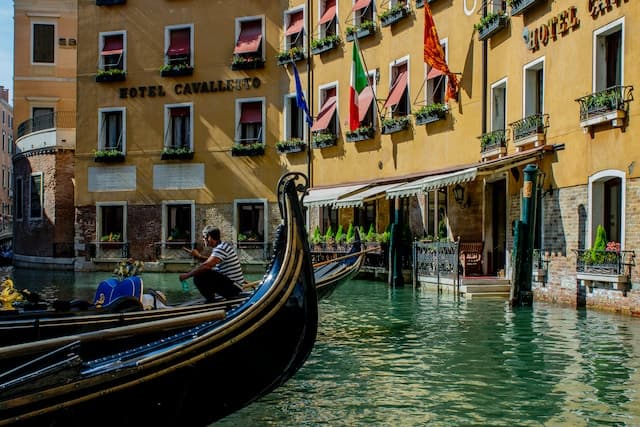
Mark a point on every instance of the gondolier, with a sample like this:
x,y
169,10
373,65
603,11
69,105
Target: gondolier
x,y
221,272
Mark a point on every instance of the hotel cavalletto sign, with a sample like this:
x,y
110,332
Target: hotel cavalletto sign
x,y
191,88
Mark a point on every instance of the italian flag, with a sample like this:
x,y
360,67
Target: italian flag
x,y
359,81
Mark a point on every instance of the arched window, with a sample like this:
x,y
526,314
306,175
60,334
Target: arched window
x,y
606,205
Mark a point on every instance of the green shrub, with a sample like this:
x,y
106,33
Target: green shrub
x,y
316,238
350,233
329,235
340,234
371,234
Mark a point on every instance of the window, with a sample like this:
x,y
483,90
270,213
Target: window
x,y
110,222
329,217
294,124
366,104
607,201
499,105
294,33
362,12
178,221
19,198
365,216
328,23
397,104
437,82
608,58
111,128
534,88
112,47
178,133
250,220
249,38
250,113
327,121
179,42
36,196
497,6
43,43
43,118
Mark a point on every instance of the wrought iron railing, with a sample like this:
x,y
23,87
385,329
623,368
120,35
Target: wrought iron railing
x,y
436,259
58,120
493,140
610,99
528,126
604,262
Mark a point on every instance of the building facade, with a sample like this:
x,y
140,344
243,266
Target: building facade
x,y
45,42
6,191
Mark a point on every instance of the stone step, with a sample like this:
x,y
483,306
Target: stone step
x,y
501,295
476,289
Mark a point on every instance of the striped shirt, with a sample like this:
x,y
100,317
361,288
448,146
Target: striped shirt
x,y
230,264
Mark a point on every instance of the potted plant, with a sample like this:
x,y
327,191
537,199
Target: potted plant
x,y
430,113
394,124
323,139
360,134
324,44
291,55
365,29
179,153
393,14
530,125
490,24
255,149
246,62
293,145
108,156
317,239
173,70
111,241
491,141
110,75
329,239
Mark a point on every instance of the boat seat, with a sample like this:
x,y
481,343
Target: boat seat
x,y
471,258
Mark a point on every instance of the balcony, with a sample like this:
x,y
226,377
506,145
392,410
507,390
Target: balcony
x,y
47,131
612,267
530,130
493,144
393,15
606,106
491,24
366,29
518,7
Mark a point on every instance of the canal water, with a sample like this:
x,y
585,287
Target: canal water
x,y
411,357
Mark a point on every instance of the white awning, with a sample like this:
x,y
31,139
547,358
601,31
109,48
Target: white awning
x,y
433,182
359,198
328,196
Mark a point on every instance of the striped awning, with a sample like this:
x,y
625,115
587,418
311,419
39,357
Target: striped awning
x,y
328,196
433,182
358,199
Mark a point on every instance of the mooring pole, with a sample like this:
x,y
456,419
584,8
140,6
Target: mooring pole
x,y
395,258
523,240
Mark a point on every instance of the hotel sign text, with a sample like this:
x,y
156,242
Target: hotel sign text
x,y
191,88
558,25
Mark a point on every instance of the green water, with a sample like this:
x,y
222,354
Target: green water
x,y
408,357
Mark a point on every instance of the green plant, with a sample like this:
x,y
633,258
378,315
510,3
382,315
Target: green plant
x,y
488,19
175,67
332,39
110,72
431,109
323,137
128,268
242,59
384,236
316,238
329,235
289,54
366,25
111,237
176,151
293,142
395,121
340,234
362,130
112,152
350,233
491,138
371,234
596,254
245,148
392,11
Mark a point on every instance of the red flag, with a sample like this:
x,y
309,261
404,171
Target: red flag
x,y
434,55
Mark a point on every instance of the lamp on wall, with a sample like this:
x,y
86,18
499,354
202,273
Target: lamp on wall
x,y
458,194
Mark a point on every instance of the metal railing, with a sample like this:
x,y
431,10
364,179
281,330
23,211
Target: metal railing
x,y
57,120
601,102
604,262
437,260
530,125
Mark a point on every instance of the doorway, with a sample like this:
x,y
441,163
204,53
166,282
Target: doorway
x,y
496,237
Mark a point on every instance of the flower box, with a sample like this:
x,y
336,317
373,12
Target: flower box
x,y
256,149
395,125
246,63
109,156
292,55
324,140
110,76
367,28
490,25
360,134
393,15
170,154
430,113
518,7
323,45
291,146
176,71
606,106
425,119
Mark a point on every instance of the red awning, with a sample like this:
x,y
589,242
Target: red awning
x,y
113,45
433,73
179,111
325,115
361,4
364,102
180,41
329,12
296,23
250,37
397,90
251,112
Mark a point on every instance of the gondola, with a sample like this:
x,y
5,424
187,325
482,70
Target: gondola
x,y
330,274
190,377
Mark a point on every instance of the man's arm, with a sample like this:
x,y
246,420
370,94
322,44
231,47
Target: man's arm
x,y
211,262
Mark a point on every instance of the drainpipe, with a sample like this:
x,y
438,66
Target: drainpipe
x,y
485,50
309,92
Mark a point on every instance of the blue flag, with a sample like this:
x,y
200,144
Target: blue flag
x,y
300,101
